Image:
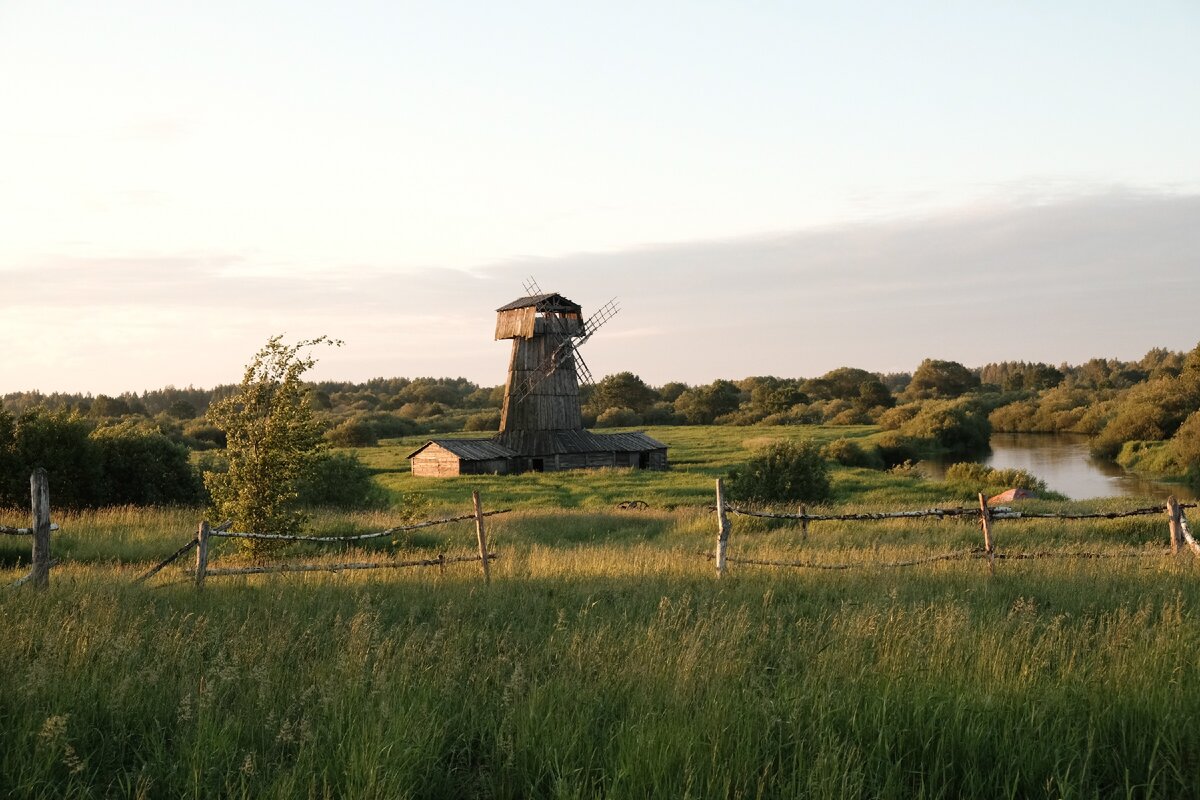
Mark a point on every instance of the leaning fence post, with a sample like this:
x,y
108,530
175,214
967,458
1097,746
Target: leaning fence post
x,y
482,535
722,529
1173,514
202,552
803,523
1187,533
985,520
39,498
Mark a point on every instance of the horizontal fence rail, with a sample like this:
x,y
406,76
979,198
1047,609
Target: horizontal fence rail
x,y
999,512
283,537
24,531
1180,533
204,533
441,561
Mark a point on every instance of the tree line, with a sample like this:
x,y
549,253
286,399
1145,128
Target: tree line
x,y
153,446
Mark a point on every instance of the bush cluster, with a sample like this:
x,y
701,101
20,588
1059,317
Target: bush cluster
x,y
780,472
93,465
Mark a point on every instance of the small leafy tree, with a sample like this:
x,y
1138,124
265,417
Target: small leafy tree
x,y
272,441
782,471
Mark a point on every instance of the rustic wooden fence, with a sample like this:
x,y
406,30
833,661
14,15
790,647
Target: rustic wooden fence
x,y
1179,533
39,498
205,534
1179,538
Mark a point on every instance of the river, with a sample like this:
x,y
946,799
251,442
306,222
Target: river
x,y
1065,464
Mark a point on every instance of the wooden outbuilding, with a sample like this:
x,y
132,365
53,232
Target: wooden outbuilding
x,y
444,458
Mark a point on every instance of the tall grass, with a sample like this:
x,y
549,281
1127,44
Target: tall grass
x,y
605,660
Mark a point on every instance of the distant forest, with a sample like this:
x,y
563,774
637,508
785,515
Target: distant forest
x,y
1142,414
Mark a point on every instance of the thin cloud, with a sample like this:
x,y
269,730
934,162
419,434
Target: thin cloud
x,y
1111,275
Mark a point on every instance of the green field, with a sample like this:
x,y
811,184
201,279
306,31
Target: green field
x,y
605,659
698,455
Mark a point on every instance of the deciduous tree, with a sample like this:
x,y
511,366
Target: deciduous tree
x,y
272,440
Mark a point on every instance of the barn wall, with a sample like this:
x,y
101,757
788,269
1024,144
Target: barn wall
x,y
601,459
496,465
436,465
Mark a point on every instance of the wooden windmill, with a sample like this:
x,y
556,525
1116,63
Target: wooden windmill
x,y
546,368
541,428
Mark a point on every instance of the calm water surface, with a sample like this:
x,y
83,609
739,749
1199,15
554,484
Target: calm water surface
x,y
1064,463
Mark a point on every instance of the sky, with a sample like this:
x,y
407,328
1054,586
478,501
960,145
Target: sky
x,y
768,188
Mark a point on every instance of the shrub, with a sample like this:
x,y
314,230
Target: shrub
x,y
850,453
801,414
893,418
661,413
339,480
483,421
702,404
955,426
850,416
203,435
1185,446
896,449
974,477
940,379
144,468
782,471
1014,417
388,426
353,432
1150,411
743,416
61,443
618,418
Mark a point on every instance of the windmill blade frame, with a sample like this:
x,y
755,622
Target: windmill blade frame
x,y
569,349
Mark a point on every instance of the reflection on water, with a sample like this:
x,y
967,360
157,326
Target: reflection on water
x,y
1064,463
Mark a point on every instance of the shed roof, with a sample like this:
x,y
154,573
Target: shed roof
x,y
470,449
543,302
530,443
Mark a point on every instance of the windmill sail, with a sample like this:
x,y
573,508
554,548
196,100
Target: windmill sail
x,y
569,350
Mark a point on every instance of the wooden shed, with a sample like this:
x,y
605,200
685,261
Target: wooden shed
x,y
442,458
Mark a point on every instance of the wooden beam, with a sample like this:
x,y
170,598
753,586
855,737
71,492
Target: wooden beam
x,y
722,529
985,521
481,535
39,497
202,534
1175,530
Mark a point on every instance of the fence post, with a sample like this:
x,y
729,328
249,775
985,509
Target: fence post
x,y
1173,514
985,520
482,535
722,529
803,523
39,498
1186,532
202,552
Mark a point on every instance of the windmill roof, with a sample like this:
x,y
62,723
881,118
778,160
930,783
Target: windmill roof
x,y
552,301
470,449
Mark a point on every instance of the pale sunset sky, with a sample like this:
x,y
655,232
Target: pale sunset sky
x,y
768,188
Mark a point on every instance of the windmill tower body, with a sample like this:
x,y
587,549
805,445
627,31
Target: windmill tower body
x,y
541,393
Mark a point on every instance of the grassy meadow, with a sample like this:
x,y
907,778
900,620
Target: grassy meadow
x,y
604,659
